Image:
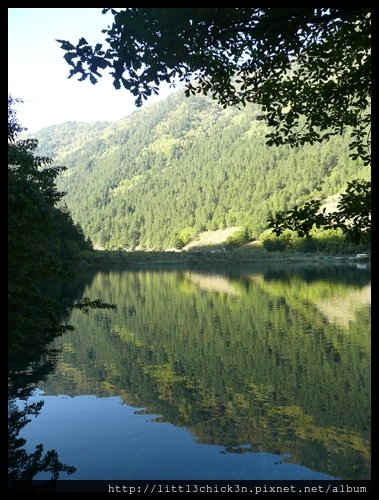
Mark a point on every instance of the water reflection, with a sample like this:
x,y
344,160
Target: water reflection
x,y
272,360
22,464
27,367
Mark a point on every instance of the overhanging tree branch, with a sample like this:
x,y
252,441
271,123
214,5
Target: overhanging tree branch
x,y
211,48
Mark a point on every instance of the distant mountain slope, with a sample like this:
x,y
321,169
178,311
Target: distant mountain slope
x,y
61,140
186,164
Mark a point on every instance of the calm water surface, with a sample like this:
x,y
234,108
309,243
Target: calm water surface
x,y
242,373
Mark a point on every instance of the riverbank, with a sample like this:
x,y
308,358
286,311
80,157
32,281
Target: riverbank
x,y
100,258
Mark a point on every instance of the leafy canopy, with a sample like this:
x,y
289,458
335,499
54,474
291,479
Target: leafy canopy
x,y
353,215
308,68
43,242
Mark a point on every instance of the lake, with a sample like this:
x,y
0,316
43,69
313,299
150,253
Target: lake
x,y
240,372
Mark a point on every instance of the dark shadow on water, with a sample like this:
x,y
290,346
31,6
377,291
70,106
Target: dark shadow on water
x,y
28,366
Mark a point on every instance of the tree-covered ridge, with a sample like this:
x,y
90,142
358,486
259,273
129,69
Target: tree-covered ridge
x,y
237,366
59,140
186,164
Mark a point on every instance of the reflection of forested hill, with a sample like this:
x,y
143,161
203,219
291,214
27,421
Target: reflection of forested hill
x,y
336,302
235,368
211,282
343,310
187,164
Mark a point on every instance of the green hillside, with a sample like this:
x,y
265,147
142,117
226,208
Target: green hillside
x,y
183,166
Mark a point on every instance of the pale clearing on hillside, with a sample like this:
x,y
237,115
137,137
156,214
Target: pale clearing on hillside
x,y
330,203
212,238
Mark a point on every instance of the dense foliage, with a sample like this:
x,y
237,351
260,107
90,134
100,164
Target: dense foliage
x,y
352,216
43,241
310,62
185,165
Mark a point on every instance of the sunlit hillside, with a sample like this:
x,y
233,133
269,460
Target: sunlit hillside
x,y
183,166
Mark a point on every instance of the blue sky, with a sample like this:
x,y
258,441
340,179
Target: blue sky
x,y
38,73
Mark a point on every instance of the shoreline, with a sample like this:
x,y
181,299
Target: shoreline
x,y
101,258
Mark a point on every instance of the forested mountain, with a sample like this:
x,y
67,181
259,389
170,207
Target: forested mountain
x,y
187,164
